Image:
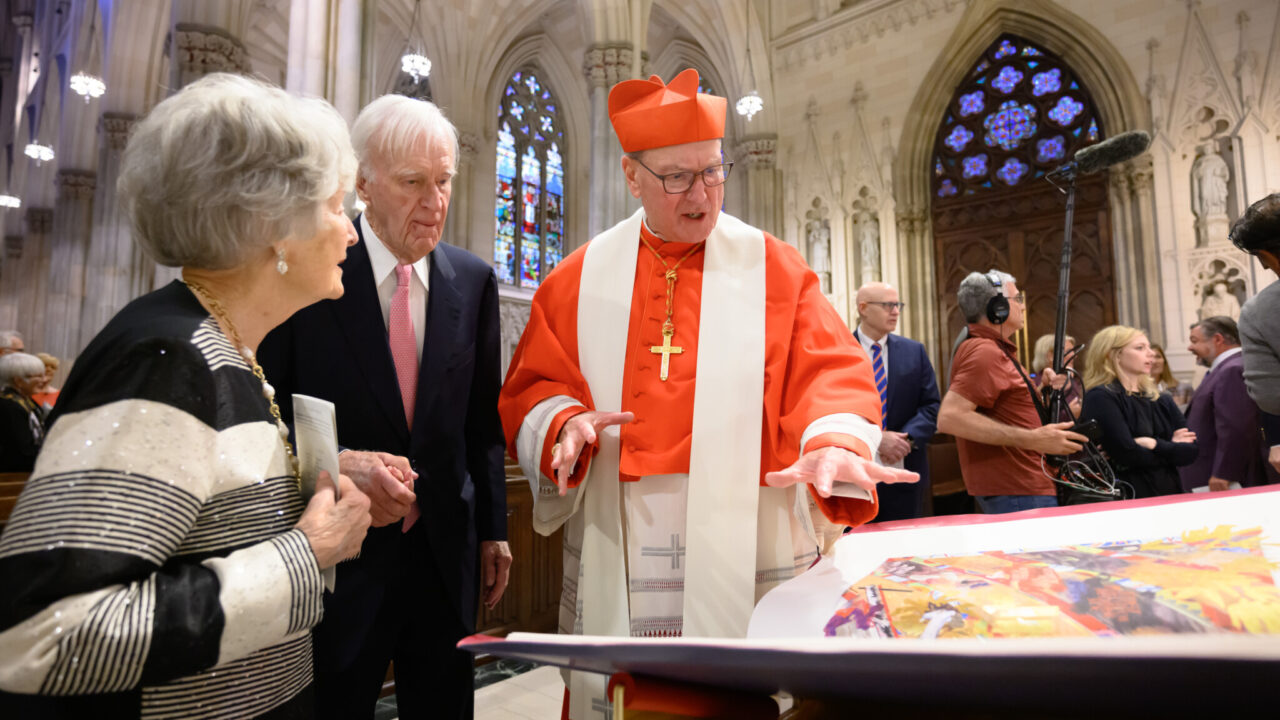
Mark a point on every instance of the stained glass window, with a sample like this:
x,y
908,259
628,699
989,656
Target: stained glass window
x,y
1007,80
1042,116
1050,149
1065,112
1046,82
959,138
974,166
1012,170
529,206
1013,123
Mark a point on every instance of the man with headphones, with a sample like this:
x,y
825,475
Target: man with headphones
x,y
989,406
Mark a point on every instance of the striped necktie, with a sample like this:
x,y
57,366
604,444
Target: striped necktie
x,y
404,353
882,382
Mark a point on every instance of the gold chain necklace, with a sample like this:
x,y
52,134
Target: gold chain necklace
x,y
268,392
666,349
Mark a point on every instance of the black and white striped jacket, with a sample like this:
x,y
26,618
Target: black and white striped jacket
x,y
151,561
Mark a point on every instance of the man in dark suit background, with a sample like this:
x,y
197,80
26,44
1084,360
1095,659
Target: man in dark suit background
x,y
410,358
1221,414
909,398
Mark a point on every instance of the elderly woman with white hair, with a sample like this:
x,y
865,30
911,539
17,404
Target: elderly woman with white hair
x,y
21,418
162,559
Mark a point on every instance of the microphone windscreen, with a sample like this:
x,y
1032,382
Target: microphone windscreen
x,y
1111,151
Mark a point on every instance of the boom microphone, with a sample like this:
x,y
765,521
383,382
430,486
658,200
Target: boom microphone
x,y
1111,151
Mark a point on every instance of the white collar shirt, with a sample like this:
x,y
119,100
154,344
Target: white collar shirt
x,y
867,342
384,265
1225,354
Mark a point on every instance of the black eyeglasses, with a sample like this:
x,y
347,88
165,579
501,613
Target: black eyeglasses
x,y
890,306
681,182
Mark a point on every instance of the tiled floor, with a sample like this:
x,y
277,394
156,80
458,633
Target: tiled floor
x,y
534,695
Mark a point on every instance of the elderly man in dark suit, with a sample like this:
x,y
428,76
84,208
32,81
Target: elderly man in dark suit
x,y
410,357
1221,414
908,398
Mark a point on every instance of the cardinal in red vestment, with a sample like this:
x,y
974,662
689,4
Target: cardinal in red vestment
x,y
684,399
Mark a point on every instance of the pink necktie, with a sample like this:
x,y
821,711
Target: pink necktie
x,y
404,352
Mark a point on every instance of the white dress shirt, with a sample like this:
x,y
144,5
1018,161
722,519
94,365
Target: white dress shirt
x,y
867,342
1225,354
384,277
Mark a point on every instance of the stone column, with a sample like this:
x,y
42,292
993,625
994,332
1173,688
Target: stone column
x,y
916,275
1138,277
325,54
757,155
68,249
10,277
610,202
33,274
458,229
120,271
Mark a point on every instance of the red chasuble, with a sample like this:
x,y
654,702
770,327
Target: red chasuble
x,y
813,368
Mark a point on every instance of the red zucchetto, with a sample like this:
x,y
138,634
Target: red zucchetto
x,y
648,114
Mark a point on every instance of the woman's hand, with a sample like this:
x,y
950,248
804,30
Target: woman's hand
x,y
1183,435
335,529
1146,442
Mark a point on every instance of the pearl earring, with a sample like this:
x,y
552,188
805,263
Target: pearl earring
x,y
282,267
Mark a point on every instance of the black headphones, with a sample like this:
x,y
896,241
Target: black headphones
x,y
998,306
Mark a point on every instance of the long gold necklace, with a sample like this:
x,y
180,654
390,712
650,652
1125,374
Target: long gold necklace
x,y
666,349
268,392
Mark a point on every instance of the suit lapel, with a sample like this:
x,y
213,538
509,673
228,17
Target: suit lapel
x,y
444,316
359,314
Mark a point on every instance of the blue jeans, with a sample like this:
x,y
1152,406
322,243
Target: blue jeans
x,y
1000,504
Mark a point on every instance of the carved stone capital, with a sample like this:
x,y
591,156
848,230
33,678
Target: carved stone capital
x,y
468,146
117,127
607,65
39,220
24,23
202,50
75,184
759,152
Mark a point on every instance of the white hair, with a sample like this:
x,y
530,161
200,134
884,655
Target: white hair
x,y
19,365
393,126
976,289
228,166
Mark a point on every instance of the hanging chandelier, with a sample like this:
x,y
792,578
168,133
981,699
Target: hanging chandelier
x,y
9,201
87,85
39,153
751,103
414,62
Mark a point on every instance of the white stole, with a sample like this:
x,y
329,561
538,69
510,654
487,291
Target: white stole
x,y
724,463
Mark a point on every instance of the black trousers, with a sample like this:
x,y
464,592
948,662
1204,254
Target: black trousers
x,y
416,627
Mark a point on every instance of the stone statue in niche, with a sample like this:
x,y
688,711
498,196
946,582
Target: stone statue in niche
x,y
869,246
819,232
1209,178
1220,301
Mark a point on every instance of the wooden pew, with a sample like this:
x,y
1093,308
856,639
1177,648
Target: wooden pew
x,y
10,487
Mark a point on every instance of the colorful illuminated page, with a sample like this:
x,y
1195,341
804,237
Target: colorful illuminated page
x,y
1206,580
1195,565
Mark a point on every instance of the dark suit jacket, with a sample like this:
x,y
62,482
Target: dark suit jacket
x,y
1226,423
338,350
912,408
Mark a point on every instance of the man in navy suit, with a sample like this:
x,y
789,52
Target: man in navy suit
x,y
909,398
1221,414
410,358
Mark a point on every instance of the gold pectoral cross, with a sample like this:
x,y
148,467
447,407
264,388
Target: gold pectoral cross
x,y
666,349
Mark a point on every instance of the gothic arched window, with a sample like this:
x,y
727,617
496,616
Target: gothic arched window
x,y
529,212
1019,113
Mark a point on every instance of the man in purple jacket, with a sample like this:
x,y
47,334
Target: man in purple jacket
x,y
1221,414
